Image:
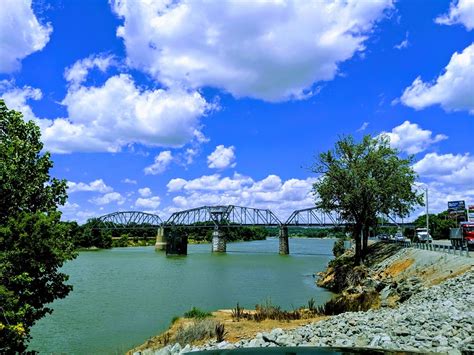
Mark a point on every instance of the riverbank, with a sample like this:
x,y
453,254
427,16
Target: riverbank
x,y
423,301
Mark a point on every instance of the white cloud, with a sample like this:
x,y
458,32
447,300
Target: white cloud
x,y
210,183
448,168
282,197
20,33
16,98
145,192
129,181
108,198
411,138
270,50
448,177
96,186
460,12
363,127
161,163
152,202
221,158
453,89
77,73
403,44
117,114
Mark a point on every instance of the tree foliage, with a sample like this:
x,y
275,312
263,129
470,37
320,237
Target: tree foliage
x,y
362,180
34,244
439,224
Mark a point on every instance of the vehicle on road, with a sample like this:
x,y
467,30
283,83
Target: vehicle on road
x,y
463,236
423,236
399,237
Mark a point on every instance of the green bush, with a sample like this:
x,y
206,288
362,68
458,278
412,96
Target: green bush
x,y
197,313
338,248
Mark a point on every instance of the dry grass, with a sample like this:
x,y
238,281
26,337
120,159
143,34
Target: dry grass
x,y
234,330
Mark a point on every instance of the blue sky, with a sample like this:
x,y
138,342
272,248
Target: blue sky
x,y
167,105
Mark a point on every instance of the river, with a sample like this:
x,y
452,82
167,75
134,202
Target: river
x,y
122,296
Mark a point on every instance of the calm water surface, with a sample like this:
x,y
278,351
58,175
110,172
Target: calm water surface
x,y
122,296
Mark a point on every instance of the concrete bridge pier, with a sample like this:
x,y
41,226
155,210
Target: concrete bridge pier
x,y
218,241
177,243
161,238
284,245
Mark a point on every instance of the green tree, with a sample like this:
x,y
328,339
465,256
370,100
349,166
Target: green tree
x,y
34,244
363,180
440,224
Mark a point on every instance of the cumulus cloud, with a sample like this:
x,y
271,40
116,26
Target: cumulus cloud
x,y
20,33
460,12
210,183
270,50
150,203
447,168
453,89
16,98
282,197
161,163
448,177
77,73
94,186
118,113
221,158
108,198
145,192
411,138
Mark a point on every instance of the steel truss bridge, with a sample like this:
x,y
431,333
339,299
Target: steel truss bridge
x,y
130,220
228,216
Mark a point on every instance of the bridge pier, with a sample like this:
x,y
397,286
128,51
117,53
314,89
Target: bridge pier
x,y
162,238
218,241
284,245
177,243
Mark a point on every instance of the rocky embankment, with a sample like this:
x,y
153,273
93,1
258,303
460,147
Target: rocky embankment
x,y
425,303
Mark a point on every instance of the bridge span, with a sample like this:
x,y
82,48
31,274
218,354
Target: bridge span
x,y
220,218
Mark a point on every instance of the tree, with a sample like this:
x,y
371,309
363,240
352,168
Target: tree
x,y
440,224
361,181
34,244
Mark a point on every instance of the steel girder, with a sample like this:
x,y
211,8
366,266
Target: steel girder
x,y
224,216
130,220
314,217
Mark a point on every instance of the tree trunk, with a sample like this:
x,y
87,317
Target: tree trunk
x,y
358,244
365,240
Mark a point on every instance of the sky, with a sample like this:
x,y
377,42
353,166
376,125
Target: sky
x,y
166,105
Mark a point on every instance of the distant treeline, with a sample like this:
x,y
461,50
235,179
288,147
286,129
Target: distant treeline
x,y
203,232
90,235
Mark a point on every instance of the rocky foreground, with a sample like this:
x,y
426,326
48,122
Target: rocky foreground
x,y
436,319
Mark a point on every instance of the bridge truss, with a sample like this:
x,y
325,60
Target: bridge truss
x,y
130,220
314,217
230,216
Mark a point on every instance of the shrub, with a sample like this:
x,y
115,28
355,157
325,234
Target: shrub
x,y
220,332
197,313
202,329
338,248
238,312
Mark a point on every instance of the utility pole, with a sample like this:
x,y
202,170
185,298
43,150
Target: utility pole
x,y
427,212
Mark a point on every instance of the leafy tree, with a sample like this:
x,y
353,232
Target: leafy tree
x,y
440,224
34,244
363,180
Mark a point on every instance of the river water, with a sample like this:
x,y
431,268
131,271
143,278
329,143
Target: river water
x,y
123,296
